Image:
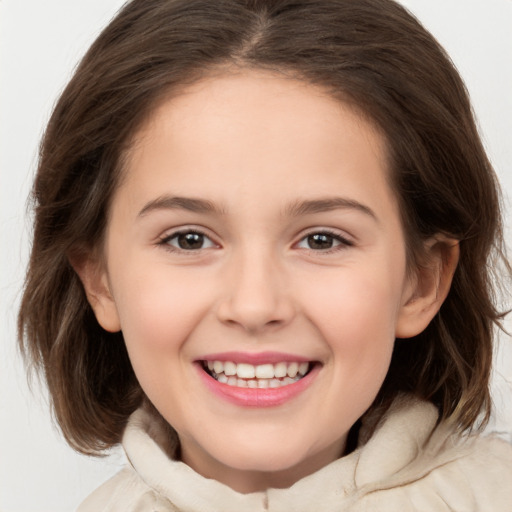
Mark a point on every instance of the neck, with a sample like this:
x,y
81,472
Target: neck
x,y
247,480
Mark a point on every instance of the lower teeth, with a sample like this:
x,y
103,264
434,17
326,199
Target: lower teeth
x,y
254,383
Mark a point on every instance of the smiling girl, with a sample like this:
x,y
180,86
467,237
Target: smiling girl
x,y
262,261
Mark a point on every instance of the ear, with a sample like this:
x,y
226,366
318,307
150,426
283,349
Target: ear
x,y
95,281
427,289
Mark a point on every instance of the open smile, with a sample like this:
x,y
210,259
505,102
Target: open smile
x,y
257,381
262,376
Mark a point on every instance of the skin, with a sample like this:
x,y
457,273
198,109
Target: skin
x,y
254,146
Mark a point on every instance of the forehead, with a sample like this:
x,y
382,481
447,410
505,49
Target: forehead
x,y
252,131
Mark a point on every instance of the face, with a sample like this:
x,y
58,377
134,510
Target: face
x,y
255,262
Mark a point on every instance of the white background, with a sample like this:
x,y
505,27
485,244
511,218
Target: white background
x,y
40,43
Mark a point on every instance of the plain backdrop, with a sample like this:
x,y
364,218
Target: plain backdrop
x,y
40,44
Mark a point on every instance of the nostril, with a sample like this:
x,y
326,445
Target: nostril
x,y
254,298
253,319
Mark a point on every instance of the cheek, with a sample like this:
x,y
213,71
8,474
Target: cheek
x,y
356,307
357,318
157,312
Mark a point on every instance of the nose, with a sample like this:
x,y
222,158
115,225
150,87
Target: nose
x,y
256,296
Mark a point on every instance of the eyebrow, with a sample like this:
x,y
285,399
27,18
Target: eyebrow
x,y
295,209
327,204
180,203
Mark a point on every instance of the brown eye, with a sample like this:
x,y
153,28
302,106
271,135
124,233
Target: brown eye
x,y
320,241
323,241
189,241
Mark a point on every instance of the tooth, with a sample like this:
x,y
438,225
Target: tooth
x,y
280,370
247,375
265,371
245,371
293,368
229,368
303,368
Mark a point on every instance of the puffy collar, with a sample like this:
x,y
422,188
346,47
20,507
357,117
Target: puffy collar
x,y
390,457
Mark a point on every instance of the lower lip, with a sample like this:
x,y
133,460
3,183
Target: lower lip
x,y
256,397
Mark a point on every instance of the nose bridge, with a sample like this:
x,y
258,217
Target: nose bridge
x,y
256,292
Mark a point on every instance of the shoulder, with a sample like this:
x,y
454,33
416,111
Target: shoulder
x,y
469,474
477,472
463,474
124,492
410,464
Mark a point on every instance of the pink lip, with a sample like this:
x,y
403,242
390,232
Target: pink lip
x,y
250,397
255,358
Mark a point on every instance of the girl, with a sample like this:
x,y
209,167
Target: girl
x,y
263,260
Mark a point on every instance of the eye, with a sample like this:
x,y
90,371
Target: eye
x,y
188,241
323,241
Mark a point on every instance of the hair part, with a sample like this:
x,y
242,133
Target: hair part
x,y
371,54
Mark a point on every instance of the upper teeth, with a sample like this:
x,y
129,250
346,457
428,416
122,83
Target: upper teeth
x,y
261,371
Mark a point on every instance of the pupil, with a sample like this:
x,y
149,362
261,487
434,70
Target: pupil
x,y
190,241
320,241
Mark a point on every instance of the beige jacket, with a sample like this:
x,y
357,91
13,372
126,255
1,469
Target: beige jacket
x,y
399,469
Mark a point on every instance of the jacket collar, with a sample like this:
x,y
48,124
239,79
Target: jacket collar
x,y
389,457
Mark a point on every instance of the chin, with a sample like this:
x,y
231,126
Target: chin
x,y
261,470
283,456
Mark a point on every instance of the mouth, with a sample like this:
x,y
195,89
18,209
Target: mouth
x,y
261,376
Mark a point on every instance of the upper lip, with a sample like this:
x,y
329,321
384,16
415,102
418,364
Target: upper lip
x,y
255,358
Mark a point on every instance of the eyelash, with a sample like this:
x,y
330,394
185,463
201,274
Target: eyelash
x,y
343,242
165,240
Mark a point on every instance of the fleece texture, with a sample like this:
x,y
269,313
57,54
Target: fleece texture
x,y
408,464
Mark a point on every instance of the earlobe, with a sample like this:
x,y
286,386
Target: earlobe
x,y
428,288
97,289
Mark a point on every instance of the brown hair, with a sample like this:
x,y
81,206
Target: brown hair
x,y
371,53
